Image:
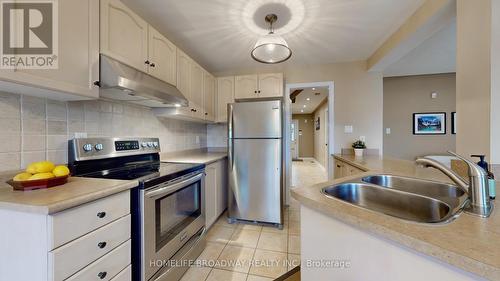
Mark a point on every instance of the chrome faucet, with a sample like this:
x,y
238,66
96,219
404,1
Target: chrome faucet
x,y
477,188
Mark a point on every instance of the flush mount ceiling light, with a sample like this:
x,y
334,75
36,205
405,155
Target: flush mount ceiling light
x,y
271,48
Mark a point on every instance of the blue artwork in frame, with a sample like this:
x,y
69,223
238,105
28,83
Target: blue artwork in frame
x,y
429,123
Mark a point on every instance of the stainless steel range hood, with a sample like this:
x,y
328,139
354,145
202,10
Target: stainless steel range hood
x,y
122,82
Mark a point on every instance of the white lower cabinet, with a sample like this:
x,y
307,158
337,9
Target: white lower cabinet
x,y
86,242
107,267
124,275
68,259
215,191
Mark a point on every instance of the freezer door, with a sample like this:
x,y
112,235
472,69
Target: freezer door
x,y
261,119
255,180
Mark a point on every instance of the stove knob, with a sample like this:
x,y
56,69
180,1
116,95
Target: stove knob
x,y
150,144
87,147
144,144
155,144
99,147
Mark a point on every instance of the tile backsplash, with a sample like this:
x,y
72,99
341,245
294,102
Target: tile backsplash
x,y
217,135
34,129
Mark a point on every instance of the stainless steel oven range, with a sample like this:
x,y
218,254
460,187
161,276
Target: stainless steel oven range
x,y
168,222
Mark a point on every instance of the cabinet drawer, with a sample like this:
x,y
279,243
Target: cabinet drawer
x,y
75,222
125,275
70,258
106,267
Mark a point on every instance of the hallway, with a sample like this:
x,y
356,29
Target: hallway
x,y
307,172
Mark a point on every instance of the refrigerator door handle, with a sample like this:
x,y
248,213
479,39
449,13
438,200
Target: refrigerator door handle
x,y
230,134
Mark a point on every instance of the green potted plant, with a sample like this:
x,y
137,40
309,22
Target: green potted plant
x,y
359,146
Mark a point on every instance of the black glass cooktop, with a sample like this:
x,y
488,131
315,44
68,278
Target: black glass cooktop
x,y
147,169
143,172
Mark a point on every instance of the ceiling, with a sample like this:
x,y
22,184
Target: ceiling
x,y
437,54
220,34
313,103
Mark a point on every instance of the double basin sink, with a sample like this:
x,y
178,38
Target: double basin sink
x,y
410,199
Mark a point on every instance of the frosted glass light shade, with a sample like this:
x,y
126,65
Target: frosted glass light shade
x,y
271,48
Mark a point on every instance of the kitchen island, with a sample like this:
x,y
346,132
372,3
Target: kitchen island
x,y
359,244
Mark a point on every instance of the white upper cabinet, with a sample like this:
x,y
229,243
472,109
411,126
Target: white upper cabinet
x,y
259,86
225,95
196,84
162,57
124,35
184,74
78,58
209,96
270,85
246,86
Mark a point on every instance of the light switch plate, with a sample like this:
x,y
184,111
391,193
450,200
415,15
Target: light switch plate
x,y
387,131
348,129
78,135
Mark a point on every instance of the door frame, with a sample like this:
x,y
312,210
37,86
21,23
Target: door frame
x,y
288,117
297,139
325,140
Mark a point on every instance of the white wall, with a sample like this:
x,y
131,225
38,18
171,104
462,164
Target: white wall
x,y
495,82
358,97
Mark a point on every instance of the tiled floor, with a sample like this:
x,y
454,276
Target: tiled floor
x,y
241,252
307,172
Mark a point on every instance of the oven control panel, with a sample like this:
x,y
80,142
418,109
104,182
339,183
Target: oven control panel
x,y
126,145
98,148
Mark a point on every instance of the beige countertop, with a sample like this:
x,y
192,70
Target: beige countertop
x,y
76,192
469,242
201,156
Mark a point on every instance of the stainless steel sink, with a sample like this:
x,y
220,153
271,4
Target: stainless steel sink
x,y
423,187
405,198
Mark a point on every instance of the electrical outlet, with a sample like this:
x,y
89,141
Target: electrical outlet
x,y
348,129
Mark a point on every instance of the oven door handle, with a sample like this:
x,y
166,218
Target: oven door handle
x,y
172,187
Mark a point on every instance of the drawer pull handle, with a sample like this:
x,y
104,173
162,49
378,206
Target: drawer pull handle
x,y
101,215
102,274
101,245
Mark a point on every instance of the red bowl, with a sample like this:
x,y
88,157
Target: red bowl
x,y
38,184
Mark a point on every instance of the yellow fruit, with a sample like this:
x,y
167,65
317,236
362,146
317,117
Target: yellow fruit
x,y
44,167
22,176
31,168
41,176
60,171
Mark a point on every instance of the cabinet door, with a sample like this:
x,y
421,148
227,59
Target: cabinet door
x,y
196,83
221,187
339,169
184,77
246,87
225,95
209,96
124,35
78,58
210,194
162,57
271,85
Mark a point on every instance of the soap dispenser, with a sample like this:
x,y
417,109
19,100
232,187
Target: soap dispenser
x,y
491,178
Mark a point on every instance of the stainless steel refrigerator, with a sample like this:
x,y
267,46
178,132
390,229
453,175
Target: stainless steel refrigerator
x,y
255,151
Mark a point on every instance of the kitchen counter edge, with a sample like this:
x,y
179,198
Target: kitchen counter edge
x,y
404,232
